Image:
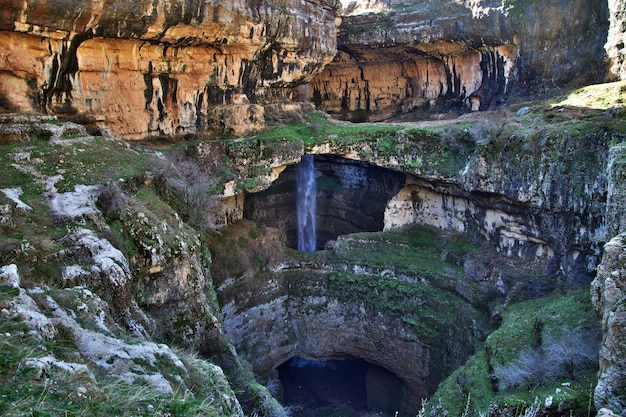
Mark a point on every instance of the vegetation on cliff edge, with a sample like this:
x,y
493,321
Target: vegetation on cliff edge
x,y
563,323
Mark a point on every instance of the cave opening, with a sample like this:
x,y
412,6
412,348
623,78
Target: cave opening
x,y
351,197
347,386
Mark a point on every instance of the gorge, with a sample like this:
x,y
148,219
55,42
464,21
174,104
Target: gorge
x,y
457,252
479,244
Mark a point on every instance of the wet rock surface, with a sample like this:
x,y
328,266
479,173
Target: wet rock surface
x,y
161,68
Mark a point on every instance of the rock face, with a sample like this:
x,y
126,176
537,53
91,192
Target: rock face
x,y
526,197
330,310
160,67
351,197
511,194
159,291
99,347
443,55
608,294
185,66
617,38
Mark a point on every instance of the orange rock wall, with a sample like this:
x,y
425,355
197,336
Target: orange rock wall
x,y
408,81
162,67
461,55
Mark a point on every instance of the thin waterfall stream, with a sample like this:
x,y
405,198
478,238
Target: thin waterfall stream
x,y
306,203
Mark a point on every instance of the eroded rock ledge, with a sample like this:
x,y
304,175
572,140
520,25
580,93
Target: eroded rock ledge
x,y
161,67
441,56
185,66
529,200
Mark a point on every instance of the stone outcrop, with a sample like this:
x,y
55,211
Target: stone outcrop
x,y
158,291
510,192
441,55
99,349
162,67
617,38
608,293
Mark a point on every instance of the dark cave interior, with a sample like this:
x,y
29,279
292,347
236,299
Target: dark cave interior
x,y
348,386
351,197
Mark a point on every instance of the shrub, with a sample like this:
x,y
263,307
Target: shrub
x,y
112,200
531,368
559,356
188,189
574,349
486,131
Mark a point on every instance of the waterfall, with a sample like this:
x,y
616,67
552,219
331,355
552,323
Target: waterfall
x,y
306,204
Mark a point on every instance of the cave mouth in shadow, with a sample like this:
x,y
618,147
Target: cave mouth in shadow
x,y
348,386
351,197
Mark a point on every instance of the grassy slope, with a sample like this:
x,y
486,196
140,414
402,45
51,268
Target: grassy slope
x,y
519,327
30,239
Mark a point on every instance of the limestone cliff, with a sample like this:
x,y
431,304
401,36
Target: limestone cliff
x,y
617,38
160,67
523,194
459,55
141,68
544,200
608,293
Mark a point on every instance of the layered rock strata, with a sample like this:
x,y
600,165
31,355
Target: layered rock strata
x,y
187,66
160,67
444,55
527,199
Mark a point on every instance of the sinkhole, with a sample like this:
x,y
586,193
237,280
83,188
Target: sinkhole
x,y
351,387
350,196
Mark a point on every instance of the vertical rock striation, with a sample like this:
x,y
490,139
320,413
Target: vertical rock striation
x,y
617,38
444,55
161,67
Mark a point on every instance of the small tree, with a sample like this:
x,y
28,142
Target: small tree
x,y
189,189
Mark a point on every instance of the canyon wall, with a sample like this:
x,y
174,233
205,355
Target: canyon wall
x,y
442,56
149,68
165,67
542,205
529,200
